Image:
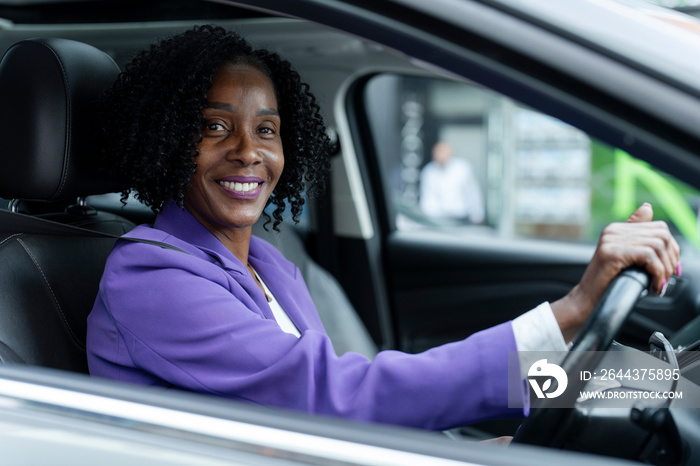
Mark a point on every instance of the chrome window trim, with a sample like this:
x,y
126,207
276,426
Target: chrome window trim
x,y
251,437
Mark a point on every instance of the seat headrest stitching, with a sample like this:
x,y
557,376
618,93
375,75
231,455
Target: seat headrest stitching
x,y
53,295
69,121
10,238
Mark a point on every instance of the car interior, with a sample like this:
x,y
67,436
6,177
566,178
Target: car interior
x,y
56,279
53,279
362,248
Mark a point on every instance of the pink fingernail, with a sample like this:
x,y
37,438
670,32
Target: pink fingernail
x,y
663,287
679,270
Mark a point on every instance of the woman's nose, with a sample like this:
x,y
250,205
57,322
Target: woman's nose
x,y
243,150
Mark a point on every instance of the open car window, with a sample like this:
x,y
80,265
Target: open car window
x,y
512,171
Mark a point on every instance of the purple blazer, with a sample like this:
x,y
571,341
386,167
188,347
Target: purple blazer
x,y
198,321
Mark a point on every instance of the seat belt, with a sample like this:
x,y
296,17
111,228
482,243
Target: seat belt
x,y
14,222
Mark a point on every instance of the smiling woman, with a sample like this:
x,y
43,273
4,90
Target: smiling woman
x,y
240,156
208,131
161,109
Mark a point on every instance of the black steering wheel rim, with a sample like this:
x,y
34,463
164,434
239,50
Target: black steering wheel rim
x,y
549,426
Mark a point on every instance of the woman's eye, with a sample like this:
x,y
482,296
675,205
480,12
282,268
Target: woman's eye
x,y
267,130
215,127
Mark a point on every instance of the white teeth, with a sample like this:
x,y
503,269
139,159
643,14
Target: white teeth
x,y
239,187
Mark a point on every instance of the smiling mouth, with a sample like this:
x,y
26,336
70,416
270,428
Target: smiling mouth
x,y
240,187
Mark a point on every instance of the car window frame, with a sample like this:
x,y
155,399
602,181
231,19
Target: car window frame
x,y
455,47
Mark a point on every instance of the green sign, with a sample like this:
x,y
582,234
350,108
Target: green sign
x,y
631,174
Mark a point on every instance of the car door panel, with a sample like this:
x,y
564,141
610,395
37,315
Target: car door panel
x,y
446,286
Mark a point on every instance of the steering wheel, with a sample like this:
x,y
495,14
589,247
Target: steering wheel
x,y
550,426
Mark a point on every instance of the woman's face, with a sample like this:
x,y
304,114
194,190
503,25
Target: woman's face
x,y
240,156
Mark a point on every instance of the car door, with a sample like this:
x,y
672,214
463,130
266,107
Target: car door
x,y
536,61
491,208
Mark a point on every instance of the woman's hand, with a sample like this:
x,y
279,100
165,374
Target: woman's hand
x,y
638,242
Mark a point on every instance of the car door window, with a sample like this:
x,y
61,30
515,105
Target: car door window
x,y
454,155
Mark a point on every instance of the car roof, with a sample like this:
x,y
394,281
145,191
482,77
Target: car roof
x,y
614,28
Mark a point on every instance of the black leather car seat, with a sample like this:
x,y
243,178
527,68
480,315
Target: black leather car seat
x,y
48,116
48,93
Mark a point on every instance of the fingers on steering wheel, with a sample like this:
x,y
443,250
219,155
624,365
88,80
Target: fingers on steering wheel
x,y
662,250
662,262
658,269
652,247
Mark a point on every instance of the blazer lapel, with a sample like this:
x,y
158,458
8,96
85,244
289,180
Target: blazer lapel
x,y
288,291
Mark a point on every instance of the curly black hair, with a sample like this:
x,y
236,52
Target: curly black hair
x,y
154,119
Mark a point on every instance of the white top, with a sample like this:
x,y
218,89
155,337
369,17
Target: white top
x,y
281,316
537,330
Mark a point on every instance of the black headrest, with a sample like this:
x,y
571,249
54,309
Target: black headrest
x,y
49,117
